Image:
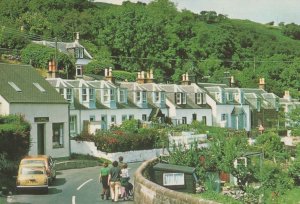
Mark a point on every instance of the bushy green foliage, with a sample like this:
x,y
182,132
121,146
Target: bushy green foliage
x,y
14,144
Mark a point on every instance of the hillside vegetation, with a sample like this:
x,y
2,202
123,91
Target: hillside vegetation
x,y
137,36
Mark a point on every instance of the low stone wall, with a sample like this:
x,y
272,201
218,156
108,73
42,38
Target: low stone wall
x,y
147,192
83,147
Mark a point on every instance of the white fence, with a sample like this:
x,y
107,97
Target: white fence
x,y
82,147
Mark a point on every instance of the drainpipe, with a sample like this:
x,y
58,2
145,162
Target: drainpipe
x,y
69,129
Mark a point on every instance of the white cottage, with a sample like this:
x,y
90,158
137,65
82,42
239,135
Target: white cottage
x,y
23,91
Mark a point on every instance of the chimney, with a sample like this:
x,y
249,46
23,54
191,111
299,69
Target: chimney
x,y
232,82
149,78
52,71
287,96
185,79
262,84
108,75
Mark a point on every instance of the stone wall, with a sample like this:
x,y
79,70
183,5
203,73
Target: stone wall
x,y
82,147
147,192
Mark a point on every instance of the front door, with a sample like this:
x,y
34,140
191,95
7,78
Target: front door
x,y
41,138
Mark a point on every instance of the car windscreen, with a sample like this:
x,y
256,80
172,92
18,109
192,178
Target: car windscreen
x,y
31,171
35,162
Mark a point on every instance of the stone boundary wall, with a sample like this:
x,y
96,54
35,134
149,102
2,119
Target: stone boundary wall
x,y
83,147
147,192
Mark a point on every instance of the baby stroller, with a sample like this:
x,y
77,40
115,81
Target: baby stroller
x,y
130,190
128,187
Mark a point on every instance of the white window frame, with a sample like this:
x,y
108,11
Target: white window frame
x,y
122,96
58,135
138,96
178,98
73,123
69,94
173,179
84,95
199,98
112,95
156,96
144,96
91,94
79,70
163,96
183,98
106,95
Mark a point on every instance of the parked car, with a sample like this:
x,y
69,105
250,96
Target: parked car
x,y
32,177
42,160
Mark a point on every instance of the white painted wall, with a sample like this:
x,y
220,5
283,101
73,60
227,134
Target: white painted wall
x,y
57,113
82,147
4,106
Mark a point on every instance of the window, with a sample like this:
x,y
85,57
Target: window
x,y
84,94
156,96
131,117
124,117
61,92
58,135
69,95
144,117
112,94
163,96
122,96
39,87
144,95
73,124
230,97
258,105
204,120
194,116
113,119
223,117
178,98
14,86
106,95
92,94
183,98
92,118
199,98
173,179
79,52
138,96
183,120
78,70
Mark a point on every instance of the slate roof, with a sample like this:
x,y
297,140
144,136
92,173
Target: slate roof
x,y
64,46
24,77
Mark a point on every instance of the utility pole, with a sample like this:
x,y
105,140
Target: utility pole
x,y
55,53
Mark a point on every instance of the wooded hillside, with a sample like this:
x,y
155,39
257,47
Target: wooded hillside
x,y
137,36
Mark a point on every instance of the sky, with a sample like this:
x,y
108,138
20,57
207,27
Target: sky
x,y
262,11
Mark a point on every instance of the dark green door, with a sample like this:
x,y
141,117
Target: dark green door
x,y
41,138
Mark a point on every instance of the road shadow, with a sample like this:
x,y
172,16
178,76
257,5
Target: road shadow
x,y
59,182
52,191
58,173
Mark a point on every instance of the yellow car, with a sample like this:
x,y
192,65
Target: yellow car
x,y
32,177
42,160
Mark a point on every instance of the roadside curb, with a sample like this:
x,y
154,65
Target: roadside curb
x,y
75,164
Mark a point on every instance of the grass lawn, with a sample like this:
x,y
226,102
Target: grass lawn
x,y
291,197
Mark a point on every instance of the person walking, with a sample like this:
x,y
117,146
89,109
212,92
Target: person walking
x,y
124,182
103,178
114,181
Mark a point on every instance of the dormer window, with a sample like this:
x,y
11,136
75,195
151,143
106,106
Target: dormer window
x,y
163,96
199,98
258,105
156,96
112,95
79,52
106,95
183,98
122,98
69,94
84,94
178,98
92,94
230,97
138,96
144,95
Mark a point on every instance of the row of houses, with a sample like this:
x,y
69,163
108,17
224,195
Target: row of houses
x,y
58,109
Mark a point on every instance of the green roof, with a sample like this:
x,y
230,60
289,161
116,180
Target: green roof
x,y
23,84
173,168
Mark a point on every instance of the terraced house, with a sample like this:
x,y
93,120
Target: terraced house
x,y
24,92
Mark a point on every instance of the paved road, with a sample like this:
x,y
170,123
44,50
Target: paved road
x,y
74,186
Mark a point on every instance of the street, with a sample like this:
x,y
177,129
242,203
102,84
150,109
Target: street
x,y
74,186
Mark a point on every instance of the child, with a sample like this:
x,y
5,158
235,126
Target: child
x,y
103,177
124,181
